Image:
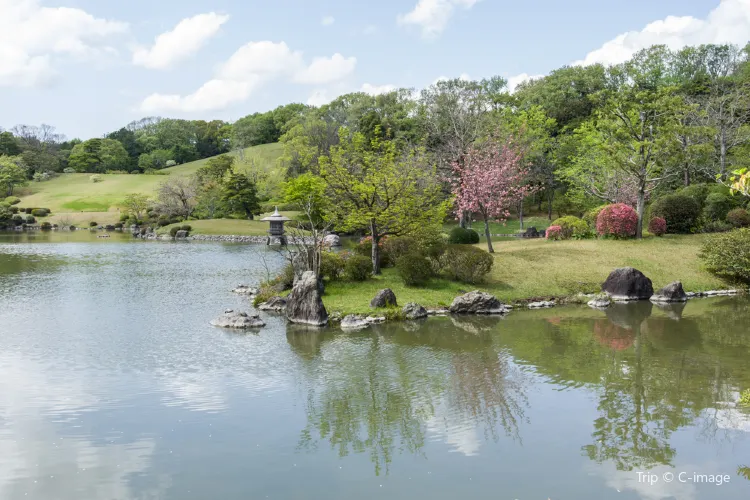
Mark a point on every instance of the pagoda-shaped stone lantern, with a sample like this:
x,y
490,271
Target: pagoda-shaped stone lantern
x,y
276,229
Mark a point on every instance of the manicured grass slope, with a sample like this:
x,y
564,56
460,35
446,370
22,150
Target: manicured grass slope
x,y
538,268
235,227
75,193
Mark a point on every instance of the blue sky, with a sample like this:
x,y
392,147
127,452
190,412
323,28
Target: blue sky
x,y
89,67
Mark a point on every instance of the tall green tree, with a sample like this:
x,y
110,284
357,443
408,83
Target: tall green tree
x,y
375,186
215,169
241,195
13,173
8,144
98,156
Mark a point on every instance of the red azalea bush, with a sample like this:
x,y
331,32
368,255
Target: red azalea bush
x,y
618,221
555,233
657,226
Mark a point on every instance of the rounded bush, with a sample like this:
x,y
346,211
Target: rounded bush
x,y
717,207
187,227
657,226
39,212
617,221
173,231
414,269
27,210
13,209
399,246
93,224
118,225
591,216
554,233
727,255
681,212
698,192
30,219
331,265
46,226
572,227
69,170
467,264
13,200
716,226
364,248
72,227
18,219
357,268
463,236
739,217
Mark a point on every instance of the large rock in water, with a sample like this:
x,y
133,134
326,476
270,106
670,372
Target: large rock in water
x,y
670,293
238,320
384,298
331,240
477,302
304,305
414,311
626,284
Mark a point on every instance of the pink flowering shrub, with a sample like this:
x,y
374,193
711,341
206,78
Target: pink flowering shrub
x,y
617,221
657,226
555,233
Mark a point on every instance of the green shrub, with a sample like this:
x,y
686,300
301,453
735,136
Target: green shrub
x,y
414,269
698,192
46,226
467,264
13,209
463,236
72,227
716,226
398,246
717,207
69,170
39,212
93,224
12,200
118,225
739,217
681,212
745,398
434,252
30,219
573,227
727,255
173,231
357,268
591,216
364,248
286,277
18,219
27,210
4,205
331,265
124,217
264,294
186,227
96,178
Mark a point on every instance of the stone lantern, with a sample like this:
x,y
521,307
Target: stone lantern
x,y
276,228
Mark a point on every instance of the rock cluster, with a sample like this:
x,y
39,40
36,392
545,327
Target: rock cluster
x,y
477,302
359,322
670,293
413,310
275,304
238,320
245,290
541,305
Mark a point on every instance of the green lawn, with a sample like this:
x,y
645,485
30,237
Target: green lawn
x,y
538,268
236,227
75,196
510,227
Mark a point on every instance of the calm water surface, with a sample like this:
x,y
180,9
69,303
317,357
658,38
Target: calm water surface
x,y
114,386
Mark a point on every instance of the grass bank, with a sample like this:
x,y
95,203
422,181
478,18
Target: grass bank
x,y
526,269
75,197
234,227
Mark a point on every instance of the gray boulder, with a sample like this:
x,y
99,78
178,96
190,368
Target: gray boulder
x,y
600,302
181,234
384,298
304,305
354,322
670,293
414,311
245,290
331,240
238,320
541,305
477,302
276,304
626,284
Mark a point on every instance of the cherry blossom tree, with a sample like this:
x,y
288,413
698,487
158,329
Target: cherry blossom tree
x,y
490,181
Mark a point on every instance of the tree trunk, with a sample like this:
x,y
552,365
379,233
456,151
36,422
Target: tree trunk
x,y
520,213
687,163
375,247
641,208
723,152
488,235
686,180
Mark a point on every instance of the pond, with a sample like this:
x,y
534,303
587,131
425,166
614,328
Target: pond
x,y
114,386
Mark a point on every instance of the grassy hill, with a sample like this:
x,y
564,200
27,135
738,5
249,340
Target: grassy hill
x,y
75,198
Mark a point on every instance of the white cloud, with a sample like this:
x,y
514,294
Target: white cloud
x,y
319,98
176,45
326,70
729,22
432,16
463,76
250,67
515,81
327,20
34,38
377,89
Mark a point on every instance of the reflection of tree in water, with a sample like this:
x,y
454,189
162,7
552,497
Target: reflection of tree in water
x,y
376,394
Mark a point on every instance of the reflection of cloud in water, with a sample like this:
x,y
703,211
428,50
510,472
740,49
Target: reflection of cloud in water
x,y
621,480
458,433
39,461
